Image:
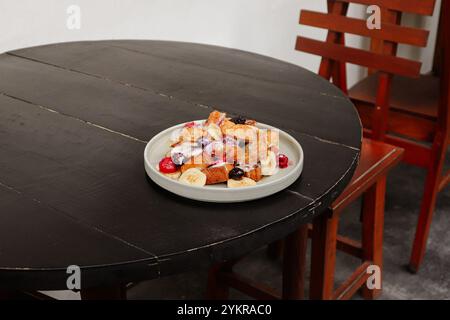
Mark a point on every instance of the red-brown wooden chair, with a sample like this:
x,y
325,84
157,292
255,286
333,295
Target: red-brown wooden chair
x,y
377,157
412,113
369,180
384,66
389,101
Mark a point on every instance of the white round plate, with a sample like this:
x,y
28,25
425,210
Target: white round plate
x,y
159,145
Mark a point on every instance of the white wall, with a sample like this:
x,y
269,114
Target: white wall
x,y
267,27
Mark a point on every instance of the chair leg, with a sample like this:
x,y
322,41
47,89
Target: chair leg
x,y
216,289
294,263
372,231
323,257
428,203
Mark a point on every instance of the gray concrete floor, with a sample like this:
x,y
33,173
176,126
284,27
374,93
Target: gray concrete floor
x,y
405,185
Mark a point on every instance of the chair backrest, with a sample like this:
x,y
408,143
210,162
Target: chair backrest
x,y
382,54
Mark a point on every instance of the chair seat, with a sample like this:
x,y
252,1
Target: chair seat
x,y
419,97
376,159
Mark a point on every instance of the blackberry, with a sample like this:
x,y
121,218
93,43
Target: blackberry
x,y
239,120
236,173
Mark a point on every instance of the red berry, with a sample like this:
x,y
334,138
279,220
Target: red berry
x,y
189,124
283,161
166,165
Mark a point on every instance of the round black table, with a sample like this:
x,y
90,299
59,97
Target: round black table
x,y
74,120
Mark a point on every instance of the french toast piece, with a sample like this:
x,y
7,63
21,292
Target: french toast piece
x,y
217,174
247,155
254,174
243,132
229,166
191,134
173,145
194,162
268,137
268,140
187,166
225,125
216,117
231,153
251,154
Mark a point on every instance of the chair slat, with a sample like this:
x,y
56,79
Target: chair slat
x,y
386,63
388,31
423,7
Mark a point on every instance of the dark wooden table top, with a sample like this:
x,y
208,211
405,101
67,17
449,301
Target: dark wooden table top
x,y
74,120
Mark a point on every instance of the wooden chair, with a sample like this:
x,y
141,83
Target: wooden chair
x,y
390,109
407,112
415,118
369,180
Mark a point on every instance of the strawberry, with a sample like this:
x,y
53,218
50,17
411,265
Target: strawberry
x,y
166,165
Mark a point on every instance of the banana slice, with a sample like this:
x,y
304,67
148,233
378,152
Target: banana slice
x,y
174,175
269,165
244,182
193,177
214,131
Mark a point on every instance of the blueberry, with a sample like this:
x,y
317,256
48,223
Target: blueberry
x,y
239,120
178,158
230,141
203,142
236,173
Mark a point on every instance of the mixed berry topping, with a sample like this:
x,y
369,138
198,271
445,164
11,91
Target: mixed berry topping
x,y
166,165
203,142
236,173
189,124
178,158
283,161
238,120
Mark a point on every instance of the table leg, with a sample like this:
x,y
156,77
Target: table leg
x,y
118,292
294,264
